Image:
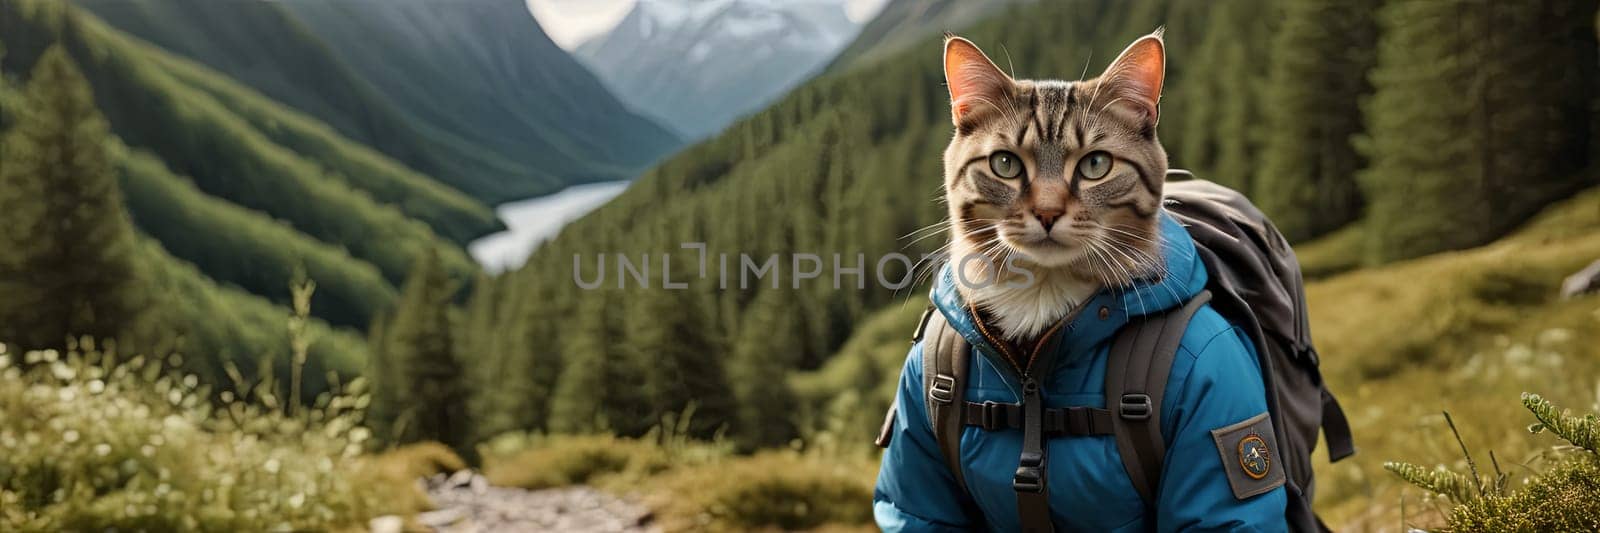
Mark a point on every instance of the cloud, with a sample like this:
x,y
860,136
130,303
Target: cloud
x,y
571,22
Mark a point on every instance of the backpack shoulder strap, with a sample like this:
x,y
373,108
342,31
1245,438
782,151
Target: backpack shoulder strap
x,y
944,382
1137,369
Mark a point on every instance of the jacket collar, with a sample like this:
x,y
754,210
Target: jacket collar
x,y
1106,312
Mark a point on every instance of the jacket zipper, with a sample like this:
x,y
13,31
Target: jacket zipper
x,y
1024,371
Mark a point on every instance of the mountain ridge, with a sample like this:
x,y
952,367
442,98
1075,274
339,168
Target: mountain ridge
x,y
699,66
498,87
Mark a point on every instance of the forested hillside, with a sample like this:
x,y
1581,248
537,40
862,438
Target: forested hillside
x,y
262,46
421,83
903,23
479,78
849,163
94,277
244,188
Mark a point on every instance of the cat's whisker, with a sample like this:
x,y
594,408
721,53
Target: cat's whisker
x,y
1106,274
1127,233
1156,266
1126,278
927,264
934,226
1160,242
1093,260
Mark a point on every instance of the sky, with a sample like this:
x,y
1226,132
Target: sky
x,y
570,22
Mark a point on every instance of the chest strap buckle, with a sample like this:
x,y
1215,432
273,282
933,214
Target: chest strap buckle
x,y
1135,406
943,389
1030,475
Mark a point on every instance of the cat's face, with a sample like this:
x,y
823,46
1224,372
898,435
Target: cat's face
x,y
1061,175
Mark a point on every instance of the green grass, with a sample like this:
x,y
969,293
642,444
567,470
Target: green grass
x,y
209,326
1466,332
558,461
97,442
697,486
1331,254
769,491
1563,494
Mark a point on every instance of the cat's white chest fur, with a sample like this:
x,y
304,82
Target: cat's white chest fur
x,y
1022,309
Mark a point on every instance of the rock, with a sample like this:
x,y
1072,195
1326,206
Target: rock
x,y
471,504
442,518
386,524
1583,282
459,479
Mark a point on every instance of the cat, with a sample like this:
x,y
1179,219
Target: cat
x,y
1053,187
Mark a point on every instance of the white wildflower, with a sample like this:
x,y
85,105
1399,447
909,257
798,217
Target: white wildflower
x,y
1554,336
62,372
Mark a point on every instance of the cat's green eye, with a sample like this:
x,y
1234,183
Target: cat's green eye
x,y
1005,164
1095,165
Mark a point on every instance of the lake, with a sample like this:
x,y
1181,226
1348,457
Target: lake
x,y
532,221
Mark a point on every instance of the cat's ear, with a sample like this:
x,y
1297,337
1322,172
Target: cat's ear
x,y
1134,80
975,82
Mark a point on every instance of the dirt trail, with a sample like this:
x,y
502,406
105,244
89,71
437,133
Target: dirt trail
x,y
468,504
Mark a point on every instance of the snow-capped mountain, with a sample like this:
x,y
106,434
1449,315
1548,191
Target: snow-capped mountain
x,y
697,65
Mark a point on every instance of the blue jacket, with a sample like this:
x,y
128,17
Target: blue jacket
x,y
1215,383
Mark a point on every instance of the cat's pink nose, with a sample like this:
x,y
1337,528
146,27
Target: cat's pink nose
x,y
1047,216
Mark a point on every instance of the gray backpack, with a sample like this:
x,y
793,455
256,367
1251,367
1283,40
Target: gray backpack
x,y
1254,283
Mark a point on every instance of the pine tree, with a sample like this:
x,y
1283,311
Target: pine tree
x,y
669,331
1480,115
492,404
1320,57
69,266
601,388
538,356
427,393
385,383
767,347
1222,108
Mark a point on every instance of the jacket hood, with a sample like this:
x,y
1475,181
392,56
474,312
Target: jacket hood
x,y
1183,278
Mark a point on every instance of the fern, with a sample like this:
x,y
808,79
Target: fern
x,y
1583,432
1440,480
1565,497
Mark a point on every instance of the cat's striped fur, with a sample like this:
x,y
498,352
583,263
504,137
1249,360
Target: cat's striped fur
x,y
1063,232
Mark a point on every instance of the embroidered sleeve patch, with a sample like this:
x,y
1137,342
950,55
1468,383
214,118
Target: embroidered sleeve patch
x,y
1249,456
